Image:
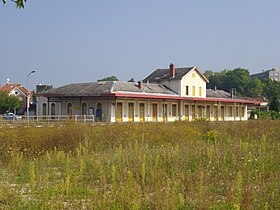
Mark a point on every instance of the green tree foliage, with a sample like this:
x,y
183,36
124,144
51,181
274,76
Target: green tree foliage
x,y
19,3
216,79
131,80
272,91
245,86
254,88
111,78
8,103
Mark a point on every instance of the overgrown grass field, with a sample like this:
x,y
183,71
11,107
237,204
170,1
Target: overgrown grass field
x,y
181,165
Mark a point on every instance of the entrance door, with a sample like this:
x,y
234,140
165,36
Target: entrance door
x,y
208,112
119,113
222,113
130,112
142,112
154,112
187,112
193,112
215,113
164,110
199,112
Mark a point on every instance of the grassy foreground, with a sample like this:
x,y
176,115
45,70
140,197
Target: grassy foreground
x,y
199,165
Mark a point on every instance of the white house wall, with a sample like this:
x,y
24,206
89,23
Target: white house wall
x,y
190,81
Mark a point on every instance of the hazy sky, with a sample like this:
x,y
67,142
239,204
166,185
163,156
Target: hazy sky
x,y
70,41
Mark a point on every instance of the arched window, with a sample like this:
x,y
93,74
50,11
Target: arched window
x,y
44,109
53,109
98,112
84,109
69,109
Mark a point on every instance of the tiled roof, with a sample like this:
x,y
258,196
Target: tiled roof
x,y
99,88
80,89
146,88
217,94
162,74
9,87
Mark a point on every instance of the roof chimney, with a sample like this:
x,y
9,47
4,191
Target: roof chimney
x,y
171,70
140,84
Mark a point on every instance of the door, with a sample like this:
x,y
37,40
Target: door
x,y
222,113
119,113
208,111
199,112
130,112
215,113
142,112
187,112
154,112
193,112
164,110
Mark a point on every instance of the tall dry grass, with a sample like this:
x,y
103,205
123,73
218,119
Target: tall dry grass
x,y
200,165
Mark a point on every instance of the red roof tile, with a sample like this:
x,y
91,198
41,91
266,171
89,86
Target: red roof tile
x,y
9,87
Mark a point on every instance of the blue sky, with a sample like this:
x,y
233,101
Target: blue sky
x,y
81,41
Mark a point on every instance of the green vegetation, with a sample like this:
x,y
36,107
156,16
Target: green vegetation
x,y
111,78
8,103
265,115
181,165
19,3
245,86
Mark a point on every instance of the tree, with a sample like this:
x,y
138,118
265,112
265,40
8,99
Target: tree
x,y
216,79
237,78
272,92
131,80
8,103
225,80
111,78
19,3
254,89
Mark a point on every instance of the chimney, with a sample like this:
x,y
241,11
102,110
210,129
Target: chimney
x,y
171,70
140,84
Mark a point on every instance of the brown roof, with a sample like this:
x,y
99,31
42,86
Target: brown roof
x,y
163,74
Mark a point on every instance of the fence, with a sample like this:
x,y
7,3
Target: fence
x,y
46,119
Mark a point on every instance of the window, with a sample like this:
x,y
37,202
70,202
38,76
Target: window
x,y
69,109
84,109
236,112
200,91
53,109
174,110
243,111
230,111
187,90
193,90
193,75
44,109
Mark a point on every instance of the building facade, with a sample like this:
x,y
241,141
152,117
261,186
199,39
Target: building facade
x,y
273,74
170,94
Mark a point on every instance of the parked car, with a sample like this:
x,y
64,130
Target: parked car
x,y
11,116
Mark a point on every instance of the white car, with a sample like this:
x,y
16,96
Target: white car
x,y
11,116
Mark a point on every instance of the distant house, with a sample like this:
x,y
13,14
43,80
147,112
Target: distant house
x,y
273,74
169,94
19,91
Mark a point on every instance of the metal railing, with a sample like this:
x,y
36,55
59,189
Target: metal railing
x,y
46,119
